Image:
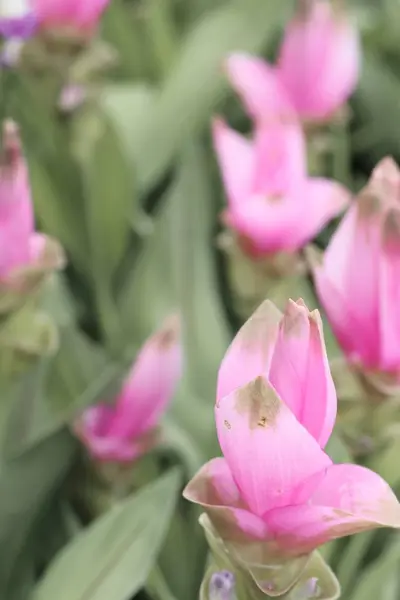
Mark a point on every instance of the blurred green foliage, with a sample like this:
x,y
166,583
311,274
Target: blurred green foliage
x,y
128,184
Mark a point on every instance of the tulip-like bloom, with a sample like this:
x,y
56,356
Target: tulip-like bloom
x,y
317,68
24,254
276,492
124,431
81,15
272,203
358,280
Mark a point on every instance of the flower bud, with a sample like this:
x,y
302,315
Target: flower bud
x,y
123,432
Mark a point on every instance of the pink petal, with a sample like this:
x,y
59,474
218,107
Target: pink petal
x,y
214,488
37,245
336,256
270,223
151,383
321,200
268,451
389,291
250,353
319,61
385,182
362,276
236,160
259,87
346,499
300,371
280,158
346,325
73,13
96,420
16,212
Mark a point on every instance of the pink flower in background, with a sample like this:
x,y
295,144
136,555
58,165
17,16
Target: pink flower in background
x,y
317,68
276,488
74,14
21,248
124,431
358,281
271,201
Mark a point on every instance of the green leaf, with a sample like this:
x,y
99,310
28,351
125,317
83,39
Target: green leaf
x,y
378,109
196,84
128,105
113,557
53,392
337,450
351,559
109,193
192,220
148,294
26,484
56,214
109,204
327,584
378,577
125,32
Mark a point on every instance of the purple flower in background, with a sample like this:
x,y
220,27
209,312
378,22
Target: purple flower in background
x,y
222,586
17,19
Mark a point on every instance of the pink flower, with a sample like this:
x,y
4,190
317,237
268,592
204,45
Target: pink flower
x,y
317,68
124,431
22,250
75,14
271,201
276,494
358,282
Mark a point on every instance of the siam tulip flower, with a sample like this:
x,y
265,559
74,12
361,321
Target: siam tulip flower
x,y
358,280
25,255
276,495
272,204
122,432
80,15
317,68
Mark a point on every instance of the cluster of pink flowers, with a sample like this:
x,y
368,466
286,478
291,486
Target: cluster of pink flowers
x,y
272,205
275,488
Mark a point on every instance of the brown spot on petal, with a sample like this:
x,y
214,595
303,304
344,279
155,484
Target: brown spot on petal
x,y
227,424
368,203
11,150
391,227
274,198
259,333
260,402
